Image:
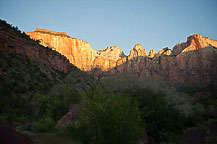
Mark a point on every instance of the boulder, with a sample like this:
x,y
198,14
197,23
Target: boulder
x,y
69,117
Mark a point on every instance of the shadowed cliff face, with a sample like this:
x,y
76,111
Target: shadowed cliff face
x,y
12,42
190,63
192,68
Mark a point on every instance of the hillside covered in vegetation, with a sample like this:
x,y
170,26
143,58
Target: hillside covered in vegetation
x,y
42,93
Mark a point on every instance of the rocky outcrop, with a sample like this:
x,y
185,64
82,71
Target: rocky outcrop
x,y
164,51
113,53
137,51
190,63
69,117
195,63
78,52
152,53
194,42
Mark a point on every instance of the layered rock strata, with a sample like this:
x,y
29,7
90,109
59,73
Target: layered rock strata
x,y
190,63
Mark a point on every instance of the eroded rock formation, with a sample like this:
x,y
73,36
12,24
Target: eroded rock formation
x,y
137,51
78,52
190,63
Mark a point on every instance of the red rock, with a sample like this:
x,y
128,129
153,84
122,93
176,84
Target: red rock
x,y
70,116
10,42
78,52
190,63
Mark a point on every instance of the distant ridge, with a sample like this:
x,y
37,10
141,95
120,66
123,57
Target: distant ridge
x,y
190,63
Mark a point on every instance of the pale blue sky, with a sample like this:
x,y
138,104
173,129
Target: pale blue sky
x,y
153,23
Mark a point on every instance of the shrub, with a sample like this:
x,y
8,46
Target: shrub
x,y
127,81
162,121
44,125
72,131
107,118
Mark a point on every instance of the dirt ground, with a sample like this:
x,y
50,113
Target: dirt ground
x,y
9,136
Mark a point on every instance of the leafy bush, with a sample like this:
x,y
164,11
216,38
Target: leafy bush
x,y
72,131
162,121
107,118
44,125
3,120
127,81
121,82
211,110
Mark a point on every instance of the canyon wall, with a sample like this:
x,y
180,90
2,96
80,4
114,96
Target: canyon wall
x,y
15,42
78,52
192,63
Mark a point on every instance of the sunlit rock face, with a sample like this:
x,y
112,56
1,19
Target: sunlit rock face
x,y
164,51
152,53
195,63
112,53
194,42
78,52
190,63
137,51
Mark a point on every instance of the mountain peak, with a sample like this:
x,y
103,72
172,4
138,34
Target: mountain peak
x,y
112,53
194,42
152,53
138,46
84,57
137,51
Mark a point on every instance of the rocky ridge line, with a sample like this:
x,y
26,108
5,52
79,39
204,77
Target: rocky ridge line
x,y
190,63
11,42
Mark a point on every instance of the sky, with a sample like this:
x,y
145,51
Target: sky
x,y
155,24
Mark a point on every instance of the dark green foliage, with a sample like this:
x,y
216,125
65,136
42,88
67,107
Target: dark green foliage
x,y
44,125
3,121
211,109
162,121
127,81
52,106
61,96
109,118
21,78
73,131
121,82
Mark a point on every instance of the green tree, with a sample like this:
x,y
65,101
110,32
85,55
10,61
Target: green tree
x,y
109,118
162,121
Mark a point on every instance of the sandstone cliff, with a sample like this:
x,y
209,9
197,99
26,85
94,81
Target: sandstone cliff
x,y
78,52
190,63
194,42
112,53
